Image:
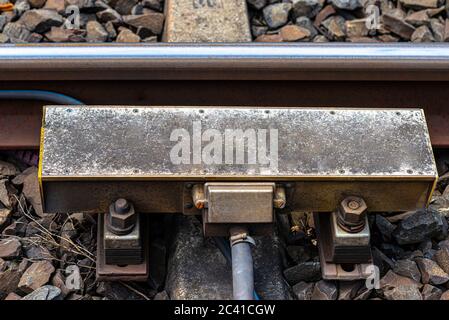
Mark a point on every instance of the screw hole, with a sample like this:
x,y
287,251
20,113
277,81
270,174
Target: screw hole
x,y
136,171
341,171
409,171
135,110
348,267
267,111
332,112
201,111
69,110
398,113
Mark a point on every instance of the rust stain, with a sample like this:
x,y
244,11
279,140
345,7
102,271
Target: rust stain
x,y
6,7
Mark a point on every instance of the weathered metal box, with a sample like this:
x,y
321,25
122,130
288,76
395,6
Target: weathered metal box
x,y
92,155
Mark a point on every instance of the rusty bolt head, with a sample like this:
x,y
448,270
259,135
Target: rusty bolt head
x,y
353,210
121,205
122,217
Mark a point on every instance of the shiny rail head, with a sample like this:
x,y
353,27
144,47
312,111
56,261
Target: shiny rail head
x,y
385,154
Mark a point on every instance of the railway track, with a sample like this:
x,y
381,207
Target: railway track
x,y
288,75
359,124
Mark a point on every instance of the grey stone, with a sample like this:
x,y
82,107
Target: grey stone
x,y
419,4
438,29
31,190
10,248
422,34
298,254
418,18
116,291
109,26
407,268
303,290
430,292
348,290
57,5
385,227
47,292
396,287
41,20
5,214
422,225
96,32
127,36
151,21
346,4
431,272
258,30
276,15
398,26
320,38
291,32
307,23
198,270
9,278
3,21
356,29
443,244
335,28
5,198
109,15
307,8
442,258
16,228
123,6
153,4
305,271
37,275
35,252
257,4
325,290
4,38
21,6
162,296
392,250
364,293
58,280
445,295
58,34
36,3
382,261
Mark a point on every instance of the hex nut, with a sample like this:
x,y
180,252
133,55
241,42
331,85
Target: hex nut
x,y
351,214
122,223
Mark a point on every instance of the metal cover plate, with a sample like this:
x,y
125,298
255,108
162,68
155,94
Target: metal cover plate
x,y
239,202
106,142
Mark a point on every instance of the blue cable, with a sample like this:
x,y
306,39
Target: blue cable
x,y
225,249
43,95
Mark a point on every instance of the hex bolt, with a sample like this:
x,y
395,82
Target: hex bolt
x,y
121,206
352,214
353,204
121,218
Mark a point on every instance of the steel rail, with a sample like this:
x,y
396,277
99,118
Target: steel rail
x,y
252,61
